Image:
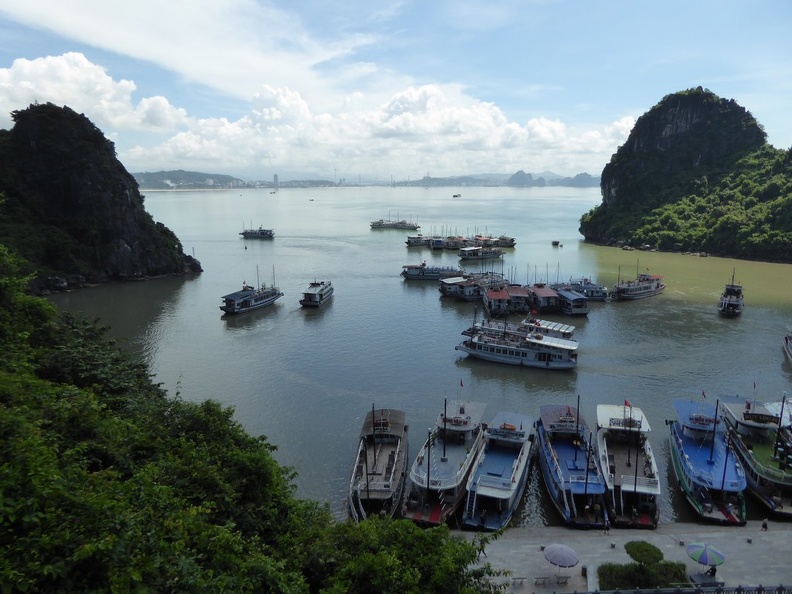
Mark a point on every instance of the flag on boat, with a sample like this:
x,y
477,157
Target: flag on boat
x,y
627,404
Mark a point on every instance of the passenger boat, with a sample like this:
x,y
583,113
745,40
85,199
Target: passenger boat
x,y
378,474
731,300
533,350
628,465
250,298
573,303
572,477
524,328
417,240
500,473
479,253
705,464
762,439
317,294
423,272
438,476
260,233
394,224
471,286
644,285
586,286
788,345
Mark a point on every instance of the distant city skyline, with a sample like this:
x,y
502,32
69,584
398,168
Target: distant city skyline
x,y
400,89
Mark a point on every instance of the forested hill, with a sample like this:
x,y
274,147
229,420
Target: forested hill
x,y
697,174
71,210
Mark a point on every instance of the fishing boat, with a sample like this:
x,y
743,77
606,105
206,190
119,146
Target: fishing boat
x,y
572,477
260,233
524,328
762,439
479,253
317,294
534,350
644,285
628,465
423,272
250,298
731,300
705,464
500,473
438,476
788,345
378,474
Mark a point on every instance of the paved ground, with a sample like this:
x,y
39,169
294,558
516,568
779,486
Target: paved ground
x,y
753,557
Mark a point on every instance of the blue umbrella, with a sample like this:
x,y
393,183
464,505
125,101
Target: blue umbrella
x,y
705,554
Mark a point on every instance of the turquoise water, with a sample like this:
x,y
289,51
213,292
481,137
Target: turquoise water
x,y
306,378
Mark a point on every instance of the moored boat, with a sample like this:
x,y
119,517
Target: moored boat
x,y
707,469
628,465
644,285
378,474
250,298
500,472
586,286
534,350
417,240
573,303
438,476
260,233
568,461
479,253
317,294
423,272
731,300
762,439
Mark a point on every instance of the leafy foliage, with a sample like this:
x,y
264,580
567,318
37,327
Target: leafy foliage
x,y
643,552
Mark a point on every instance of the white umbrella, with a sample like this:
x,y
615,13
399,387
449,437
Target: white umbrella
x,y
561,555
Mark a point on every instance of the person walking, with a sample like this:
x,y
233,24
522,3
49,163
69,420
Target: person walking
x,y
764,525
606,527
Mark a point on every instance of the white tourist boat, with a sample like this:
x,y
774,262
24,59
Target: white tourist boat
x,y
394,224
731,300
317,294
424,272
438,476
260,233
644,285
534,350
628,465
480,253
249,298
524,328
417,240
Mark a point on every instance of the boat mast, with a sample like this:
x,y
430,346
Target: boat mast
x,y
373,435
778,431
714,430
445,435
577,425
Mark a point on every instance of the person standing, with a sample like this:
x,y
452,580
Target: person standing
x,y
606,528
764,525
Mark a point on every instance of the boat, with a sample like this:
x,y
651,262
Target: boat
x,y
438,476
417,240
317,294
534,350
706,466
555,243
644,285
572,477
524,328
394,224
376,483
250,298
788,345
762,439
543,298
628,465
586,286
731,300
500,473
423,272
456,196
260,233
479,253
471,286
573,303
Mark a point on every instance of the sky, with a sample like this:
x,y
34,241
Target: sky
x,y
377,90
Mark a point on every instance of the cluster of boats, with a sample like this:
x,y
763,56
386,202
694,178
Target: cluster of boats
x,y
250,298
457,242
606,476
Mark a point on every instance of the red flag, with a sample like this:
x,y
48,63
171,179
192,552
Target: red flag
x,y
703,394
461,385
627,404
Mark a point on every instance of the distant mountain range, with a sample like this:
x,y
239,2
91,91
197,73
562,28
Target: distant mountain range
x,y
194,180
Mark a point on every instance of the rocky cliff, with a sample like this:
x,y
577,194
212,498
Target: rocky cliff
x,y
72,210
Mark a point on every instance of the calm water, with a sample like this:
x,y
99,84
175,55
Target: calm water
x,y
305,379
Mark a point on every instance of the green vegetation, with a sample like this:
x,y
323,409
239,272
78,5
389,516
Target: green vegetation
x,y
697,174
648,572
107,484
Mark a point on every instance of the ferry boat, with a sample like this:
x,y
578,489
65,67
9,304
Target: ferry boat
x,y
644,285
524,328
423,272
731,300
572,477
260,233
317,294
250,298
573,303
479,253
497,482
378,474
438,476
705,464
534,350
762,439
628,465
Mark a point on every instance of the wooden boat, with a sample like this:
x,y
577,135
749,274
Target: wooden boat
x,y
705,463
762,439
260,233
731,300
500,473
250,298
535,350
378,474
568,461
317,294
644,285
423,272
628,465
438,476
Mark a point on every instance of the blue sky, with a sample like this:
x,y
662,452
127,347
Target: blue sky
x,y
399,89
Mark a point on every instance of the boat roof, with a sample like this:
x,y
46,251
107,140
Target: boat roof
x,y
517,290
570,294
538,339
775,408
241,294
557,326
696,414
497,294
543,291
750,412
561,417
622,417
510,425
396,421
469,414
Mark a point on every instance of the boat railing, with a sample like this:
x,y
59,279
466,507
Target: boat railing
x,y
493,482
775,474
551,455
645,484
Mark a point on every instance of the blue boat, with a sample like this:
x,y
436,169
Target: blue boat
x,y
569,466
500,472
705,464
